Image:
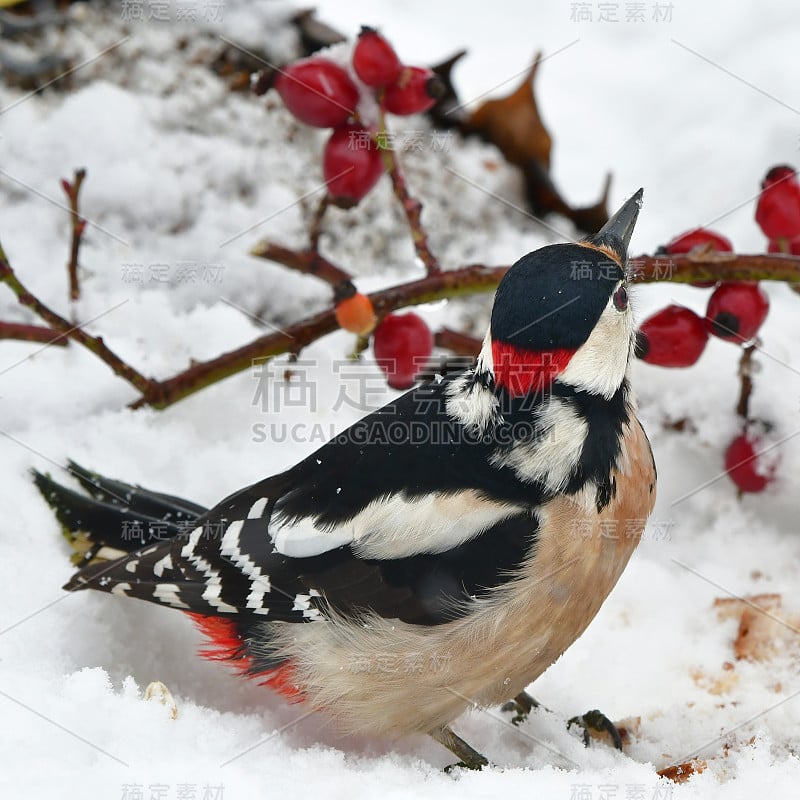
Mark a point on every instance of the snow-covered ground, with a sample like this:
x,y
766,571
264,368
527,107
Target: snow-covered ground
x,y
183,178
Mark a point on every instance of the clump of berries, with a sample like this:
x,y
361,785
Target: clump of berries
x,y
324,94
402,343
676,336
736,310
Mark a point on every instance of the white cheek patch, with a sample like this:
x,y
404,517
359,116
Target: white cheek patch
x,y
600,363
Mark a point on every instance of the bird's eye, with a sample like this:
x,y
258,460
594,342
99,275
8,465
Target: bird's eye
x,y
621,298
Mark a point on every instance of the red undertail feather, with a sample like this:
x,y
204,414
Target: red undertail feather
x,y
225,643
522,371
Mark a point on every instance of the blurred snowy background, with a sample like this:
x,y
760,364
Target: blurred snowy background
x,y
692,101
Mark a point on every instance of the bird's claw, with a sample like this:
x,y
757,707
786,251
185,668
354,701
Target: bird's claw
x,y
519,711
521,706
597,721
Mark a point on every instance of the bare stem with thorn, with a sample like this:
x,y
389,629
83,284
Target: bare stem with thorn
x,y
72,190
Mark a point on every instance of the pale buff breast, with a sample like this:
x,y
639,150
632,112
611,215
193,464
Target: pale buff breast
x,y
391,677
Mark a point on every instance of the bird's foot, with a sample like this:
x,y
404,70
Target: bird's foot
x,y
469,757
521,706
596,721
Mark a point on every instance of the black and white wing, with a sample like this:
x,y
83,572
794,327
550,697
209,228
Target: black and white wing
x,y
409,514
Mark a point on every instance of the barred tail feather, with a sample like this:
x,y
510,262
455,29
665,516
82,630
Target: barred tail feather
x,y
114,517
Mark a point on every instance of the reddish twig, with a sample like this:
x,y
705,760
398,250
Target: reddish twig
x,y
31,333
714,266
440,285
411,206
72,190
315,226
459,343
746,378
309,262
460,282
93,343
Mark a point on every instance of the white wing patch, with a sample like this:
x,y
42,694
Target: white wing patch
x,y
552,458
302,539
257,509
396,527
431,523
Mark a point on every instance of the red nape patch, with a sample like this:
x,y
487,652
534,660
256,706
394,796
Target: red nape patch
x,y
523,372
226,644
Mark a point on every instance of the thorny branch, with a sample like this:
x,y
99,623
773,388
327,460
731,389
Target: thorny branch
x,y
308,261
63,329
315,227
31,333
461,282
412,208
72,190
746,378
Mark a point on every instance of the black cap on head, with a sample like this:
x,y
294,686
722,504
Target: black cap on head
x,y
553,297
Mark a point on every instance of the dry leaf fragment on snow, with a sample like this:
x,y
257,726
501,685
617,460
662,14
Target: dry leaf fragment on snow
x,y
715,685
764,627
680,773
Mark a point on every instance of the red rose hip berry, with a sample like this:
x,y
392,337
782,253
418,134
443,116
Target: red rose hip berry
x,y
672,337
351,165
778,207
697,237
318,92
402,344
416,89
736,310
749,470
786,246
374,59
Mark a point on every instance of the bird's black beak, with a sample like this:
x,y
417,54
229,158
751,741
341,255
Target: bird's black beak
x,y
617,232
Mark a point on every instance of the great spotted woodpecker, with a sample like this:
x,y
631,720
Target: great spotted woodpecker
x,y
392,580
